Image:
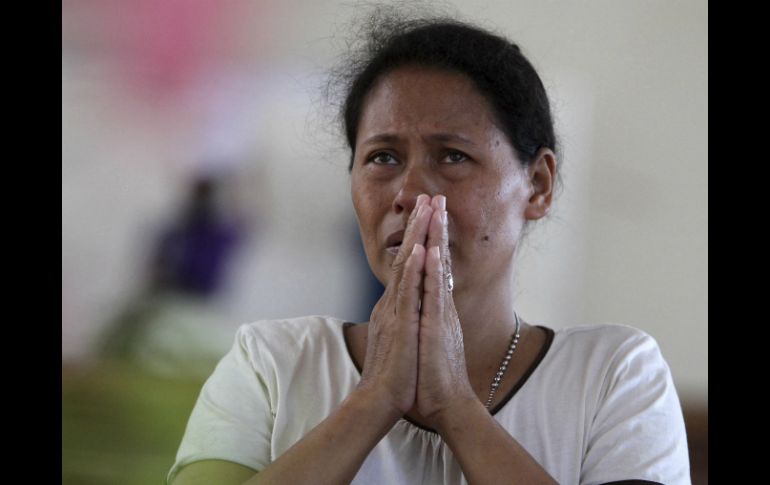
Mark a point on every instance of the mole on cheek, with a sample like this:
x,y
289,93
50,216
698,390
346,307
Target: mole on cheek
x,y
485,238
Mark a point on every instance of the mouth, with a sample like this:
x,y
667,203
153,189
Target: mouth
x,y
396,247
393,249
393,242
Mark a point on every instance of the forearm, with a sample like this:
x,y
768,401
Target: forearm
x,y
334,451
486,452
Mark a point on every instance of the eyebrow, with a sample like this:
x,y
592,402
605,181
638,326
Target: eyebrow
x,y
390,138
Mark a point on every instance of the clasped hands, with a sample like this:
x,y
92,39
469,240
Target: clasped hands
x,y
415,353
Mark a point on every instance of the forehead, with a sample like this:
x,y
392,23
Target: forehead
x,y
410,98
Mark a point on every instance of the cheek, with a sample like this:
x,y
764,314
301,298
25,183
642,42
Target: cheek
x,y
486,231
365,203
492,224
471,229
368,208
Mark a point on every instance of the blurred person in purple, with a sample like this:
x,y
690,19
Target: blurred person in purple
x,y
192,254
189,262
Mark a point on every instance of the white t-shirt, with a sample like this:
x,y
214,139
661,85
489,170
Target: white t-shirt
x,y
597,406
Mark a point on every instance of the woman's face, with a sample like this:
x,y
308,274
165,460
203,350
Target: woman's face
x,y
430,131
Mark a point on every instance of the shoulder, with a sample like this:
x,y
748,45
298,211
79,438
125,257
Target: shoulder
x,y
604,332
289,330
634,412
607,338
288,339
607,350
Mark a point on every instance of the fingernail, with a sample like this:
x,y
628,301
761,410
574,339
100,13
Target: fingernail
x,y
435,252
414,249
442,202
443,217
421,199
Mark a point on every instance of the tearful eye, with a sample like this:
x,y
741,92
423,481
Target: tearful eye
x,y
382,158
456,157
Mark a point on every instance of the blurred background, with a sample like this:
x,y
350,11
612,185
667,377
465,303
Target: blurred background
x,y
204,186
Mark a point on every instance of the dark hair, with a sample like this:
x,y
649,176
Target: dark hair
x,y
495,65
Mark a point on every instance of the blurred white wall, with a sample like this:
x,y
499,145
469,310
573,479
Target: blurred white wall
x,y
627,242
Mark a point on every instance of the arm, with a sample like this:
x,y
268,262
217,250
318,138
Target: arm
x,y
233,417
387,387
344,439
213,471
332,452
486,452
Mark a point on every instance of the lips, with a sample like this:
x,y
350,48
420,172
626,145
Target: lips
x,y
393,242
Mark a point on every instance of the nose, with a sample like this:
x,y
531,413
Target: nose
x,y
415,181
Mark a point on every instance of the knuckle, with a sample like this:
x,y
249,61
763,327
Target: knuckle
x,y
406,288
377,310
397,267
408,283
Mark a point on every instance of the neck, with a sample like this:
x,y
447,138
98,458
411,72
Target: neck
x,y
488,322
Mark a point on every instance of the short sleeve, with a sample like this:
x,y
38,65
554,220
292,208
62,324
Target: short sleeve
x,y
638,431
232,418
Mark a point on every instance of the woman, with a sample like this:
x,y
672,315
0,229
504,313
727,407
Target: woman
x,y
453,153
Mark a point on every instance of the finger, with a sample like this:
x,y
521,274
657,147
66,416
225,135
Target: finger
x,y
410,285
438,233
446,255
438,202
398,262
410,237
435,229
433,296
415,233
421,200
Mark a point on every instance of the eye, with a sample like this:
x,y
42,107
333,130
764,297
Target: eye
x,y
382,158
456,157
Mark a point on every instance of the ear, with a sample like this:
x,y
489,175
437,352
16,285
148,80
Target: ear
x,y
542,175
